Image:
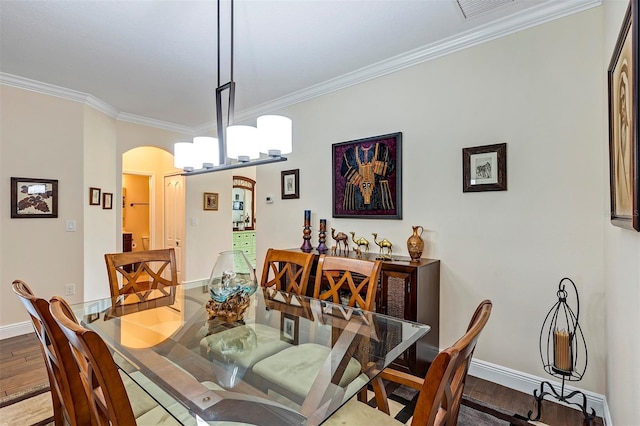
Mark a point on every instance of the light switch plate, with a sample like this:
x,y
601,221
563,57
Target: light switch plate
x,y
71,226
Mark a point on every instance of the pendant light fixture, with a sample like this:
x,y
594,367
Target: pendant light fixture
x,y
236,145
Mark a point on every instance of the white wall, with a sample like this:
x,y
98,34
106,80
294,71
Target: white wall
x,y
540,91
99,141
41,137
622,278
213,232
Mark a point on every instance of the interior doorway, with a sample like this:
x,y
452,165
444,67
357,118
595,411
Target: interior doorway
x,y
154,164
136,211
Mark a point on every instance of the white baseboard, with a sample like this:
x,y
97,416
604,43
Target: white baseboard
x,y
16,329
526,383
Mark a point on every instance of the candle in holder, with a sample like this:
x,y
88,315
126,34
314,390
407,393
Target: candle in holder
x,y
561,350
322,236
306,233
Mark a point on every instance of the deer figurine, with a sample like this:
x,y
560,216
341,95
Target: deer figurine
x,y
360,241
340,237
382,244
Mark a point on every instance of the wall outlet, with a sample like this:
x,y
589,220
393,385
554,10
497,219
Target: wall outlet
x,y
69,289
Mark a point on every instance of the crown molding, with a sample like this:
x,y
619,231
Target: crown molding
x,y
59,92
88,100
540,14
159,124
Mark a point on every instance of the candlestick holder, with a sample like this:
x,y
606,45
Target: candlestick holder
x,y
322,236
306,232
564,353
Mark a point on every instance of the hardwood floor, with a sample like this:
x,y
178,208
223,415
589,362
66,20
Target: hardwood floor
x,y
22,368
21,364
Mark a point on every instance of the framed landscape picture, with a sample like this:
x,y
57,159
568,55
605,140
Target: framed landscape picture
x,y
484,168
624,158
34,198
367,178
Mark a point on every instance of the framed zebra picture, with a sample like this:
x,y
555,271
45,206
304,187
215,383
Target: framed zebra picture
x,y
484,168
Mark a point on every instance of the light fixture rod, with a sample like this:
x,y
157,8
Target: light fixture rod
x,y
236,166
231,86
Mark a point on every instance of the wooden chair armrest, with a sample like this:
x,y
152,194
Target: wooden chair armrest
x,y
402,378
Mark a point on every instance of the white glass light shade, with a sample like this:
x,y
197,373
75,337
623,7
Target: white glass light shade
x,y
208,151
185,156
243,143
275,133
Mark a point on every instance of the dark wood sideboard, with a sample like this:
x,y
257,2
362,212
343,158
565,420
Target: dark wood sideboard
x,y
411,291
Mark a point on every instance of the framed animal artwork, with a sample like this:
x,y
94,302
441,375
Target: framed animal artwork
x,y
484,168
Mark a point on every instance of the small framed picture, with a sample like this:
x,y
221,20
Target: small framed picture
x,y
34,198
484,168
210,201
289,328
94,196
107,200
290,185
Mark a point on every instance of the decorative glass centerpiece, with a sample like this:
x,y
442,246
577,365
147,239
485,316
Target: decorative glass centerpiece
x,y
231,284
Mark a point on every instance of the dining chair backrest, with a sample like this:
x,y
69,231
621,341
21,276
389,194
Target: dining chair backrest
x,y
287,270
345,280
441,393
141,270
103,385
69,403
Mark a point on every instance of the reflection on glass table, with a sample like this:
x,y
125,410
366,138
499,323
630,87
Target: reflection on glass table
x,y
166,342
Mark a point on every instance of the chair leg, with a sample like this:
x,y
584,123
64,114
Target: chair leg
x,y
381,395
363,396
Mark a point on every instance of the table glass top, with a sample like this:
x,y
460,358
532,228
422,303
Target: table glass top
x,y
290,360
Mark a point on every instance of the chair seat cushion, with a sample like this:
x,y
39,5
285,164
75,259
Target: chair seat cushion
x,y
355,412
296,368
244,345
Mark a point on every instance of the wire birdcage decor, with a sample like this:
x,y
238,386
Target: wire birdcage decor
x,y
563,351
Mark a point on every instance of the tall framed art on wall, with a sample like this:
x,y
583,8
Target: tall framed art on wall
x,y
624,158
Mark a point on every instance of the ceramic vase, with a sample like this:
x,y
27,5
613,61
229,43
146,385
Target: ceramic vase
x,y
415,244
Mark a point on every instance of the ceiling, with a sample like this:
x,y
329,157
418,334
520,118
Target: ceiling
x,y
154,62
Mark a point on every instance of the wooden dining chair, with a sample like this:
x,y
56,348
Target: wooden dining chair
x,y
141,270
440,391
347,281
287,270
70,406
111,402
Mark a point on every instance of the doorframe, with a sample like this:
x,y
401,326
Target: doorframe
x,y
183,261
152,203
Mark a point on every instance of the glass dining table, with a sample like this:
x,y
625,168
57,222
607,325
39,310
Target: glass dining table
x,y
290,359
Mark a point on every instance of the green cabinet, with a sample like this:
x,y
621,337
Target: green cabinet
x,y
246,241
